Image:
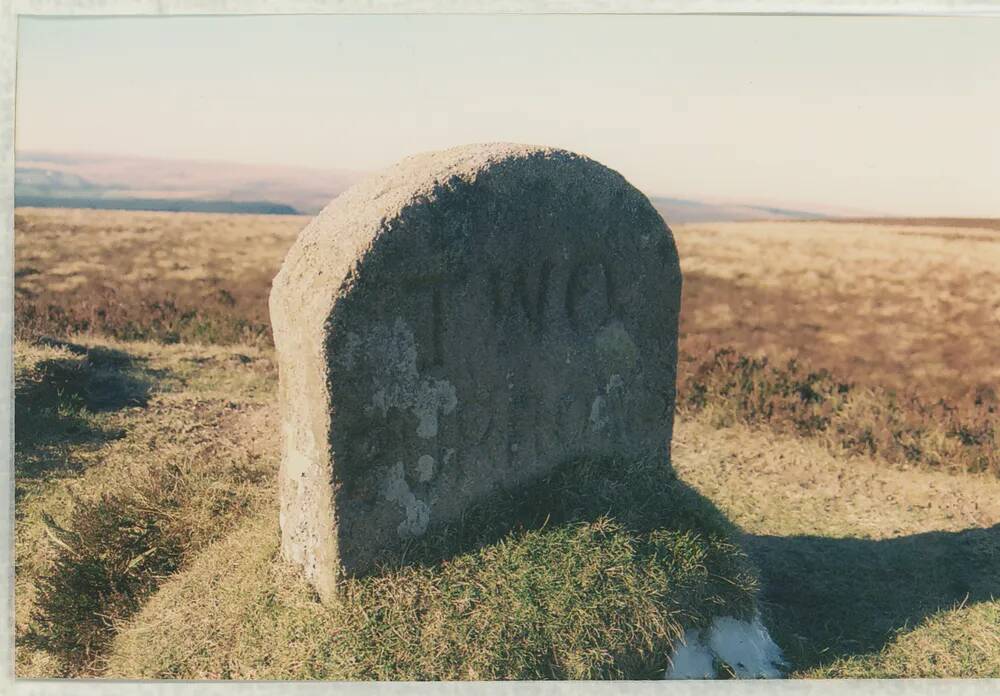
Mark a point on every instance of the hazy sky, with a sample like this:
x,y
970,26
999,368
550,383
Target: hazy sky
x,y
887,115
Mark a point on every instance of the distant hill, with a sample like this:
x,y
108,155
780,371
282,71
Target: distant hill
x,y
976,223
65,180
48,179
679,211
175,205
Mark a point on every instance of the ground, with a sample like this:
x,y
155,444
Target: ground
x,y
863,480
861,564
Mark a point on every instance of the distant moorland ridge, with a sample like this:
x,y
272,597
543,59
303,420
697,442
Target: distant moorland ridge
x,y
70,180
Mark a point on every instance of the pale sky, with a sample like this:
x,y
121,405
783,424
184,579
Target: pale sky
x,y
883,115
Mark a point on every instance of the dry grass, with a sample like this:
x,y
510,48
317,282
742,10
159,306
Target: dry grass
x,y
974,223
167,277
583,600
861,564
113,496
873,304
902,430
867,569
908,307
963,642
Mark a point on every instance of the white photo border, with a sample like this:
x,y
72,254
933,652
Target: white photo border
x,y
10,10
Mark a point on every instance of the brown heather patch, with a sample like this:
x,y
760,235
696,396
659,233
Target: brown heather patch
x,y
166,277
871,303
732,388
877,304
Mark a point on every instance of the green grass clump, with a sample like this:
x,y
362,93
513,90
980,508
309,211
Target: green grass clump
x,y
134,527
732,388
582,595
105,567
586,600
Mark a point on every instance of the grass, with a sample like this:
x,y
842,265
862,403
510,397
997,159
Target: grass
x,y
105,565
880,305
98,530
586,597
66,396
145,543
963,642
903,430
855,557
586,574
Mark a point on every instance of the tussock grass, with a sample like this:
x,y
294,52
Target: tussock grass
x,y
583,596
121,540
106,564
731,388
96,532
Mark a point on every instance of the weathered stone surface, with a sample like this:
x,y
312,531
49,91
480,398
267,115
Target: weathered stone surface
x,y
467,320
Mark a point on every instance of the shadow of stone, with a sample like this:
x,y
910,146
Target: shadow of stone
x,y
831,598
823,598
57,405
641,496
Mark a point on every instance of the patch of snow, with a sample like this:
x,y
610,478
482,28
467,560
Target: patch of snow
x,y
693,660
745,646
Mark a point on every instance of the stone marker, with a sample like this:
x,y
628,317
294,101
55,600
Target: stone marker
x,y
467,320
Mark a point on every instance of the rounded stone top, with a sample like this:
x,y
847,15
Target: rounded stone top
x,y
347,230
421,176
